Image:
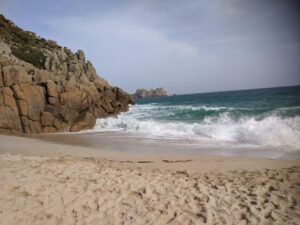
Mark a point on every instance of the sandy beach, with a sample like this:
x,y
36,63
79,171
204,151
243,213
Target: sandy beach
x,y
51,183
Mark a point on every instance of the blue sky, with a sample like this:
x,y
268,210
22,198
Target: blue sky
x,y
185,46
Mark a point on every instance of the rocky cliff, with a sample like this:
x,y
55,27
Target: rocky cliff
x,y
143,93
47,88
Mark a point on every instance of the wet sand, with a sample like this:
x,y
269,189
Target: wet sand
x,y
125,142
51,183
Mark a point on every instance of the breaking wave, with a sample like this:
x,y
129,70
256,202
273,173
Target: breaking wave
x,y
202,123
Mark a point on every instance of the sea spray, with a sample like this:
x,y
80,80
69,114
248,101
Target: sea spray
x,y
268,117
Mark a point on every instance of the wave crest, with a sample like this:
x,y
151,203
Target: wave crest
x,y
272,130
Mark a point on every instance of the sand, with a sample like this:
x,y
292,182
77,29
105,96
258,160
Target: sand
x,y
49,183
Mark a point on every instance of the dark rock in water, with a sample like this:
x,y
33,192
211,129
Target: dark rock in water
x,y
47,88
143,93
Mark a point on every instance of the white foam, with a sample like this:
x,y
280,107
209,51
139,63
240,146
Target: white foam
x,y
185,107
270,131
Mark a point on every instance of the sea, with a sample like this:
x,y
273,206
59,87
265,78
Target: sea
x,y
252,123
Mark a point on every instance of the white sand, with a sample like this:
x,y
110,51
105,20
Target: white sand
x,y
46,183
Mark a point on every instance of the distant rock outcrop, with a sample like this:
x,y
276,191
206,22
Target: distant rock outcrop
x,y
143,93
47,88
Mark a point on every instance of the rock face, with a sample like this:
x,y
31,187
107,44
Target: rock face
x,y
143,93
47,88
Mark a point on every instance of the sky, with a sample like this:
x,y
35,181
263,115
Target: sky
x,y
185,46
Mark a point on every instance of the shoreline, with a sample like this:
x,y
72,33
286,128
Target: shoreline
x,y
52,183
66,145
120,142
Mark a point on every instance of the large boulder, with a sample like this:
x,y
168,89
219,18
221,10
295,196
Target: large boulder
x,y
35,99
9,100
9,116
23,107
9,121
84,121
122,96
72,99
42,76
81,55
15,75
52,89
18,93
47,119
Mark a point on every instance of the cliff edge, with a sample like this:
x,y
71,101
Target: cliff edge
x,y
47,88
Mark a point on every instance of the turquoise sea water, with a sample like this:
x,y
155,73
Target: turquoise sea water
x,y
260,118
259,104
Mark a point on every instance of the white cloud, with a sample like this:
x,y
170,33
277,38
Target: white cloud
x,y
120,48
206,45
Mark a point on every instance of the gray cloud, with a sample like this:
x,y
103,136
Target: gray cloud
x,y
185,46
